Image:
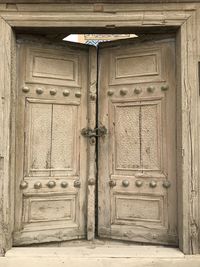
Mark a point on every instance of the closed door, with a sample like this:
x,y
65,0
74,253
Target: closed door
x,y
51,158
136,189
137,159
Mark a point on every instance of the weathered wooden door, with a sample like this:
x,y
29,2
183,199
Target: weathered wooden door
x,y
55,175
51,156
137,193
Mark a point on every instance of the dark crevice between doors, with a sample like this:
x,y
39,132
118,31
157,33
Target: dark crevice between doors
x,y
97,143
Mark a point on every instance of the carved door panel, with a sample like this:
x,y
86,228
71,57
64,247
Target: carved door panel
x,y
51,158
137,197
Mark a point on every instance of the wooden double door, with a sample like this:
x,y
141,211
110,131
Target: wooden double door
x,y
135,141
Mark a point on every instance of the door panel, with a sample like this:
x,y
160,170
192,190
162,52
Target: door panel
x,y
51,156
137,159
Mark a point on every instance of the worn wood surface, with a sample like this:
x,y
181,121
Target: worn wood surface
x,y
51,111
139,152
98,1
5,145
92,97
188,134
157,15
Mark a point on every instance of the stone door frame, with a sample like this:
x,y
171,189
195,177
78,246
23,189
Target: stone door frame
x,y
181,16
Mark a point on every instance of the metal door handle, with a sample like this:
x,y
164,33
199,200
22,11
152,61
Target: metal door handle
x,y
96,132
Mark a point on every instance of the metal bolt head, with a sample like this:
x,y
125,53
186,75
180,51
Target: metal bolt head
x,y
78,94
39,91
123,92
164,87
51,184
37,185
66,93
153,184
112,183
150,89
91,181
110,92
138,183
92,96
125,183
92,140
77,183
53,92
64,184
23,185
166,184
25,89
137,91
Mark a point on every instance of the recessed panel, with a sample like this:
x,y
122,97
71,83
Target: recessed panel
x,y
133,66
38,138
51,67
138,208
150,137
51,136
64,127
47,209
138,136
127,137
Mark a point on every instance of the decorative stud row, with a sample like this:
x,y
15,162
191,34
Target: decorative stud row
x,y
139,183
138,91
52,92
50,184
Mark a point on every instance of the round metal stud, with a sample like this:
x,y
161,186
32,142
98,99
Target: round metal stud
x,y
64,184
150,89
66,93
91,181
110,92
77,183
25,89
51,184
92,96
112,183
78,94
39,91
23,185
123,92
164,87
138,183
166,184
53,92
125,183
92,140
37,185
153,184
137,91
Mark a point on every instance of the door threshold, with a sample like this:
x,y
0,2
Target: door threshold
x,y
96,249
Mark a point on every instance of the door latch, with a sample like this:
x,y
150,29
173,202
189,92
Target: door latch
x,y
96,132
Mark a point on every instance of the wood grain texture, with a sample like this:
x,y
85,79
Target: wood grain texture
x,y
176,14
97,1
140,144
49,146
5,145
189,135
91,196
